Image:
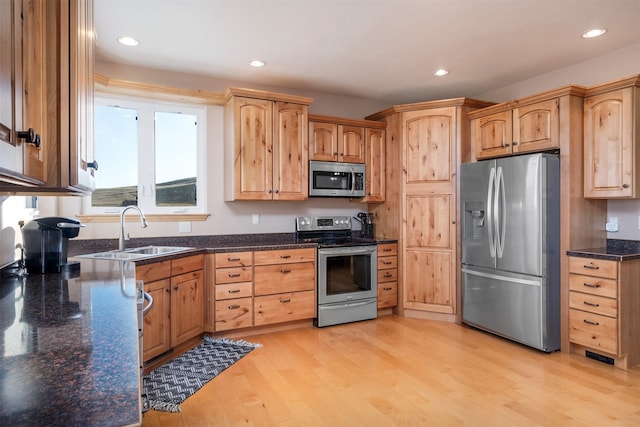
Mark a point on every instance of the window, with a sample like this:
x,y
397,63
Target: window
x,y
150,155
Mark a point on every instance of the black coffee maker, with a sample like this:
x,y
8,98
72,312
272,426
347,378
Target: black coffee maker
x,y
45,244
366,222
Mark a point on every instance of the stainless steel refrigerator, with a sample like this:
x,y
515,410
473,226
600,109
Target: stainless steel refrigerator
x,y
511,248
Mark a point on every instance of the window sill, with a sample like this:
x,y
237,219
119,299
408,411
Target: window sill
x,y
150,217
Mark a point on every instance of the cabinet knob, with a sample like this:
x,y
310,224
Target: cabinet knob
x,y
175,288
506,145
93,165
270,191
514,143
277,191
625,185
30,137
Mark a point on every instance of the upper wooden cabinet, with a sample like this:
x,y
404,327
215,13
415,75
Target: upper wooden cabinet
x,y
516,127
333,139
352,141
611,126
266,146
54,97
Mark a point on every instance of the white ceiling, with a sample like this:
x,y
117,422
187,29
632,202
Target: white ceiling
x,y
378,49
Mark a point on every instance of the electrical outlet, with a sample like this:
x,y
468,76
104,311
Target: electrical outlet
x,y
255,219
612,227
184,227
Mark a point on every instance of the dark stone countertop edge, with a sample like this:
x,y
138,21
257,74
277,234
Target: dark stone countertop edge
x,y
615,250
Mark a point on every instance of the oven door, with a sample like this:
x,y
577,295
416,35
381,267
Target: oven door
x,y
347,273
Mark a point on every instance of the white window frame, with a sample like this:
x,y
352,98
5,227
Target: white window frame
x,y
146,150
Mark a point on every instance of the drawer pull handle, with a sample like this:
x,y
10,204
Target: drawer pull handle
x,y
285,271
386,289
234,274
233,259
285,300
388,274
591,304
285,256
234,307
387,250
591,267
387,262
592,285
589,322
233,291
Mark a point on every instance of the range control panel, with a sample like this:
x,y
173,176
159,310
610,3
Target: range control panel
x,y
322,223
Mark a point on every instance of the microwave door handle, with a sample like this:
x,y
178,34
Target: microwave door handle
x,y
353,181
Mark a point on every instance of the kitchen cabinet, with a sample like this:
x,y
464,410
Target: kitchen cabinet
x,y
604,302
611,127
22,97
336,139
266,148
333,139
516,127
387,275
178,312
57,99
284,285
233,290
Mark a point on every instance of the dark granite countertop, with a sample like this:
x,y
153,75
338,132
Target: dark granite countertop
x,y
616,250
212,244
69,349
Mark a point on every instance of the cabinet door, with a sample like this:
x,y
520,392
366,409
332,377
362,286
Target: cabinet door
x,y
492,135
430,281
323,141
290,152
253,149
609,147
375,161
429,150
536,127
157,328
187,306
81,57
350,144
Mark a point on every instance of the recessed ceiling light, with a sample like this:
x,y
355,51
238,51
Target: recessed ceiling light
x,y
596,32
128,41
257,63
440,72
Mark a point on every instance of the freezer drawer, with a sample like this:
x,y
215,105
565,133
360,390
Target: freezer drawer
x,y
512,306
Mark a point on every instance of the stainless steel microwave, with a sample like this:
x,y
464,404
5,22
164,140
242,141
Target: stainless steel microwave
x,y
335,179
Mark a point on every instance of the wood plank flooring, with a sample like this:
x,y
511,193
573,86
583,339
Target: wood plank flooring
x,y
396,371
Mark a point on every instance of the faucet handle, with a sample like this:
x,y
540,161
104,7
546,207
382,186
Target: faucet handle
x,y
127,237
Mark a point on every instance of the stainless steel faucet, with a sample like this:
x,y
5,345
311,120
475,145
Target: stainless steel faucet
x,y
143,224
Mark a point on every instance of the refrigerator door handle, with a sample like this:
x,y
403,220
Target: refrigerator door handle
x,y
501,212
490,212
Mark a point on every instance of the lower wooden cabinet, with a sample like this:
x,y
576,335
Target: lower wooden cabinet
x,y
604,302
387,275
178,312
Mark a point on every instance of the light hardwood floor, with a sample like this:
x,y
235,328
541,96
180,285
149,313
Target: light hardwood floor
x,y
396,371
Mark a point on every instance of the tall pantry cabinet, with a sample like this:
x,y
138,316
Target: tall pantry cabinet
x,y
424,150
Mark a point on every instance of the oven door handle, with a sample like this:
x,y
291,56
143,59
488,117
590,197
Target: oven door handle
x,y
346,304
348,250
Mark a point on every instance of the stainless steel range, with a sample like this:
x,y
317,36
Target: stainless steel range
x,y
346,272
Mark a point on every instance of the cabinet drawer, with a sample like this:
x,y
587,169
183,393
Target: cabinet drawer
x,y
594,304
593,267
234,313
284,307
234,275
233,290
284,256
275,279
187,264
593,330
390,275
387,262
234,259
153,272
593,285
387,249
387,294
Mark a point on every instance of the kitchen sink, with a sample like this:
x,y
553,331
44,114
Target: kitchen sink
x,y
136,253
